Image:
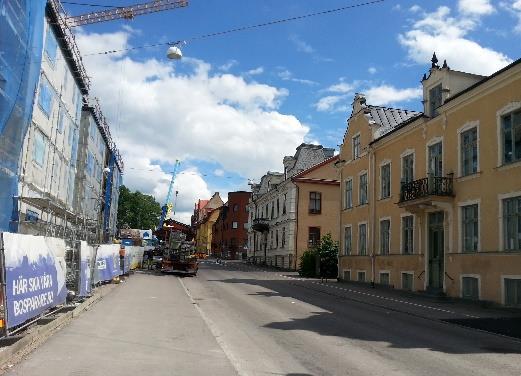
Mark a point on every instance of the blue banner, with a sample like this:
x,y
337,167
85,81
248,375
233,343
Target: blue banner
x,y
35,277
85,282
107,262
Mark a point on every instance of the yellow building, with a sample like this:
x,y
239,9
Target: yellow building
x,y
431,201
318,209
203,234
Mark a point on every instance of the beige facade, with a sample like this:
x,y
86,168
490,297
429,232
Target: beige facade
x,y
204,232
318,207
443,211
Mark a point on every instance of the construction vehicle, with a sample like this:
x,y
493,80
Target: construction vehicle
x,y
179,256
166,210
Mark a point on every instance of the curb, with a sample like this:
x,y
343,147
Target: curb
x,y
10,355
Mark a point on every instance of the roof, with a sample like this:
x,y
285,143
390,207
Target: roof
x,y
518,61
388,118
312,168
317,181
202,203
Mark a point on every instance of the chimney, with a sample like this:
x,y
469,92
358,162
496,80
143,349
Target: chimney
x,y
359,102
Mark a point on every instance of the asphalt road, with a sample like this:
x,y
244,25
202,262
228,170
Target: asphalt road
x,y
235,319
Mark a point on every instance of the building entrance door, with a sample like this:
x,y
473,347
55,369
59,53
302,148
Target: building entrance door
x,y
436,251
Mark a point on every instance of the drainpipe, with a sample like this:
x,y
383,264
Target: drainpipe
x,y
296,225
372,217
340,233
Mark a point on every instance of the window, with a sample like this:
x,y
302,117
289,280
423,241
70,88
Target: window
x,y
362,239
469,152
408,168
363,189
314,236
315,202
407,234
278,207
385,278
39,148
348,194
347,240
74,138
435,100
385,236
79,104
347,275
235,225
235,207
512,223
62,119
283,237
51,46
469,228
356,147
385,176
512,292
361,276
90,163
276,238
470,288
273,210
46,96
284,204
436,159
511,129
407,281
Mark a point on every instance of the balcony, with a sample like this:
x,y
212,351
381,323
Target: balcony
x,y
261,224
425,191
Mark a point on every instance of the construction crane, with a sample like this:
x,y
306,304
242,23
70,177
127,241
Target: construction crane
x,y
167,207
126,12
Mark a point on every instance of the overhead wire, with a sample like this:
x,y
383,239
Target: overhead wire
x,y
239,29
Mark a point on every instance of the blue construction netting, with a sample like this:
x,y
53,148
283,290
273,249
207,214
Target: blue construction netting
x,y
21,42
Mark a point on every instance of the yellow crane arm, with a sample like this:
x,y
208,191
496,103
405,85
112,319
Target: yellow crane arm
x,y
128,12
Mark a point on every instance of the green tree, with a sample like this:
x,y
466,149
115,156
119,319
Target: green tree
x,y
137,210
325,255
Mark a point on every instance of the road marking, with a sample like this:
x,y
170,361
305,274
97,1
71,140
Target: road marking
x,y
216,333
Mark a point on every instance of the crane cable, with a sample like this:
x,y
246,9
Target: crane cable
x,y
239,29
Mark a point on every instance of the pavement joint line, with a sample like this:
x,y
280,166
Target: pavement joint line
x,y
217,335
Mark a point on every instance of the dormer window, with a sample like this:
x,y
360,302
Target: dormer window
x,y
435,100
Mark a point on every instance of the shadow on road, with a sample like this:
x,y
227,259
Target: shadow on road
x,y
342,316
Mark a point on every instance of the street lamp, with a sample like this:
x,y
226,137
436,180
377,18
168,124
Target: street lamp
x,y
174,52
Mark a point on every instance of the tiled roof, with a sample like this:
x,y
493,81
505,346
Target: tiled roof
x,y
202,203
387,118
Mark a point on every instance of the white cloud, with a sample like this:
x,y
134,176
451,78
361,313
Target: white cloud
x,y
301,45
286,75
475,7
218,172
195,116
228,65
415,8
256,71
513,8
329,103
372,70
448,37
341,87
385,94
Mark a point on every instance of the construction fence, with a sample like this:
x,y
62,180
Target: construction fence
x,y
39,274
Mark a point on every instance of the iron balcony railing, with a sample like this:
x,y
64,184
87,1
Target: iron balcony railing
x,y
429,186
261,225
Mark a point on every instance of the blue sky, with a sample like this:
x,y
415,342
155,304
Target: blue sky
x,y
236,104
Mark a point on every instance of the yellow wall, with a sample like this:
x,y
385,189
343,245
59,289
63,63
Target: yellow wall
x,y
480,107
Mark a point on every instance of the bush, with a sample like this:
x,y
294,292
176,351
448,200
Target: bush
x,y
307,264
328,251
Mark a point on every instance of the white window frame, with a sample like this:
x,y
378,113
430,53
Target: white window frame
x,y
353,146
402,215
350,178
404,154
460,224
431,142
235,225
501,197
410,272
477,276
503,277
467,127
360,271
39,132
380,235
507,109
350,274
382,164
380,272
344,240
360,174
358,238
